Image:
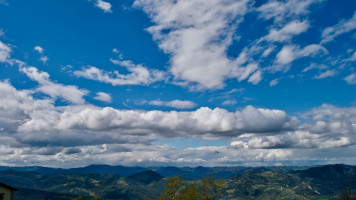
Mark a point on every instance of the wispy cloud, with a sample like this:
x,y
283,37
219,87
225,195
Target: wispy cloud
x,y
342,27
285,10
274,82
291,52
287,32
139,75
5,51
351,79
328,73
229,102
352,57
178,104
197,34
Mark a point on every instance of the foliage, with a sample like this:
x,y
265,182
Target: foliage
x,y
178,188
346,194
81,198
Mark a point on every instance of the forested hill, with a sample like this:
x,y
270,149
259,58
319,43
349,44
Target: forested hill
x,y
319,182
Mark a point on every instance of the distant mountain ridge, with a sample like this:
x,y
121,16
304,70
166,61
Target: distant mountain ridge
x,y
267,183
187,172
91,169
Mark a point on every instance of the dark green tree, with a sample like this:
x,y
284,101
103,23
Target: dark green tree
x,y
178,188
346,194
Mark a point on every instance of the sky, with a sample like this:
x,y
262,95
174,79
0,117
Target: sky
x,y
177,82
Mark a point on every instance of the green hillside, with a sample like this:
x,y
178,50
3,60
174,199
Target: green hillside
x,y
323,182
34,186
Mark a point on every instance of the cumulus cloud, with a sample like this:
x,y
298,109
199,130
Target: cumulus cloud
x,y
102,96
74,119
69,93
298,139
351,79
17,106
197,35
39,132
139,75
105,6
325,127
202,121
179,104
341,27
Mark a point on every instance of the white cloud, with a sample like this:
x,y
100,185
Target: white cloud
x,y
312,50
44,59
287,32
105,6
351,79
291,52
268,51
325,127
284,10
197,35
39,49
5,51
62,123
229,102
114,50
315,66
342,27
286,55
179,104
41,133
328,73
139,75
274,82
69,93
102,96
352,58
18,106
255,78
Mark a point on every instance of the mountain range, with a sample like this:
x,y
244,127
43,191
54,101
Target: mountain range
x,y
119,182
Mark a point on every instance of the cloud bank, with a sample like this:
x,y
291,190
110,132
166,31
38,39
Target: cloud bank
x,y
50,133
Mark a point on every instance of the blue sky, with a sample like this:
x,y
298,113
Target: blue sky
x,y
187,82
